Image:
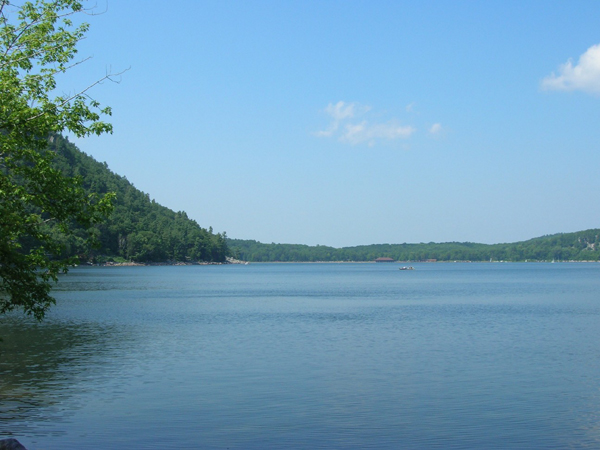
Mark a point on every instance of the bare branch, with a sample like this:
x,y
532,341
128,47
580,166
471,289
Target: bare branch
x,y
108,77
90,11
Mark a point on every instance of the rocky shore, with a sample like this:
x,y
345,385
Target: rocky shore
x,y
11,444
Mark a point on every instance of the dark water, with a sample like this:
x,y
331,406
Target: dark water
x,y
304,356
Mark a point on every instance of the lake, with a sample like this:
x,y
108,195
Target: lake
x,y
309,356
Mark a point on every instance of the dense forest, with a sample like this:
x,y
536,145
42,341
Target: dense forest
x,y
139,229
579,246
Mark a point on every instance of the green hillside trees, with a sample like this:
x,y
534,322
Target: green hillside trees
x,y
139,229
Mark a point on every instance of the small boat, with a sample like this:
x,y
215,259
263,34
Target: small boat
x,y
407,268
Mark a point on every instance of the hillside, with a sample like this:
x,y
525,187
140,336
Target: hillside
x,y
579,246
139,229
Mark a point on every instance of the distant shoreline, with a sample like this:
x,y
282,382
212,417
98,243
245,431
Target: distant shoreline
x,y
417,262
239,262
165,263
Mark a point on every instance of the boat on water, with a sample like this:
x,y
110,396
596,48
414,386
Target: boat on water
x,y
407,268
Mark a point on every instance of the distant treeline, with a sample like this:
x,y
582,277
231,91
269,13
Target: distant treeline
x,y
139,229
579,246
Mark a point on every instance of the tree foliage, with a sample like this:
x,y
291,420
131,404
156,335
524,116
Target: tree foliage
x,y
39,206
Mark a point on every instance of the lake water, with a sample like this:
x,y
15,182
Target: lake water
x,y
309,356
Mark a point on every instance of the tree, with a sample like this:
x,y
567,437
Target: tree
x,y
38,203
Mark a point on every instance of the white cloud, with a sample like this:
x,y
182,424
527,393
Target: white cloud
x,y
340,112
435,128
584,76
410,107
370,133
346,127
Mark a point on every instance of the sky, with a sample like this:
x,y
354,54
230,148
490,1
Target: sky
x,y
345,123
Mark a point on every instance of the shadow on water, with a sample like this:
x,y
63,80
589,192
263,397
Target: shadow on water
x,y
44,364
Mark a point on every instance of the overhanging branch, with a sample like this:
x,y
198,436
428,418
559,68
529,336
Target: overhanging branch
x,y
83,91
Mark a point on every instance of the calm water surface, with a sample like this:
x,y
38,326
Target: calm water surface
x,y
304,356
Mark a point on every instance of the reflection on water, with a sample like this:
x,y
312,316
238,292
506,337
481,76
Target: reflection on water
x,y
42,366
309,356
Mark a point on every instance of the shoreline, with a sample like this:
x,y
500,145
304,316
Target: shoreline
x,y
240,262
166,263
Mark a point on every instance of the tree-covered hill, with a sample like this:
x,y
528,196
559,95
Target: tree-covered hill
x,y
579,246
139,229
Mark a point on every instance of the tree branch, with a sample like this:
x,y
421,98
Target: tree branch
x,y
83,91
33,55
21,30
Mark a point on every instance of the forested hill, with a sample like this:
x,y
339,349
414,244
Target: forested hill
x,y
579,246
139,229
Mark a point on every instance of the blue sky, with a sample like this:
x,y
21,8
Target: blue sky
x,y
345,123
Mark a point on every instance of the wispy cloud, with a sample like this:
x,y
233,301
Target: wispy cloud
x,y
365,132
349,124
584,76
436,128
339,113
